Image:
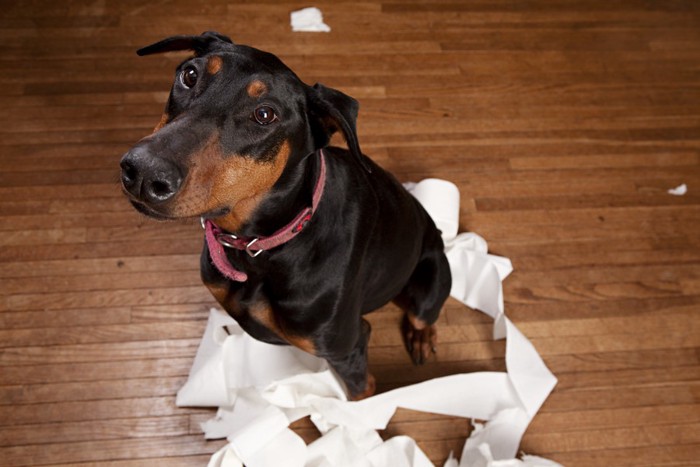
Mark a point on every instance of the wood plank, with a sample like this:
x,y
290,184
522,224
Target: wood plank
x,y
66,432
98,299
143,365
99,390
93,353
179,461
90,451
562,123
681,455
75,411
102,334
588,420
617,438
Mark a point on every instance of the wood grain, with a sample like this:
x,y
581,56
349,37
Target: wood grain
x,y
563,123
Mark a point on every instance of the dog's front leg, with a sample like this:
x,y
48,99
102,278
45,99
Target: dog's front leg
x,y
353,367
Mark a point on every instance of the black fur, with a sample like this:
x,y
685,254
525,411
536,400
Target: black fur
x,y
370,241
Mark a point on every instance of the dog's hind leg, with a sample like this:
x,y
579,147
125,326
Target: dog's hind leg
x,y
422,299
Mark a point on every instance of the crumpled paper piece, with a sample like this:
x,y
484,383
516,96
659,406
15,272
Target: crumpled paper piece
x,y
308,20
261,389
680,190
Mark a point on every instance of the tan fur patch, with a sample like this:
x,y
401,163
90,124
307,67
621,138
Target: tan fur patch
x,y
256,88
370,389
214,64
302,343
259,180
220,292
417,323
264,314
237,182
162,122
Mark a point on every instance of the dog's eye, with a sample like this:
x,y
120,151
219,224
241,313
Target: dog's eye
x,y
188,77
264,115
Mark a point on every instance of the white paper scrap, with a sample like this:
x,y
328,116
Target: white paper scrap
x,y
259,397
680,190
308,20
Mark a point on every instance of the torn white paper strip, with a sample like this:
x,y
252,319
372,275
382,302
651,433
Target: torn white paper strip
x,y
259,400
308,20
680,190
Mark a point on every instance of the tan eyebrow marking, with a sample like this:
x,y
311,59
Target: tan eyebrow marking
x,y
256,88
214,64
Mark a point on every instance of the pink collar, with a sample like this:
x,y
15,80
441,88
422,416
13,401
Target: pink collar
x,y
216,238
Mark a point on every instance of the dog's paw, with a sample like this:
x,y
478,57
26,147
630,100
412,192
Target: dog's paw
x,y
369,389
420,339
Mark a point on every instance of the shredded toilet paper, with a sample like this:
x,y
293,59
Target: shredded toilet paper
x,y
680,190
308,20
261,389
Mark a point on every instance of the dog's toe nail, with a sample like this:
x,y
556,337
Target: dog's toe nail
x,y
424,351
419,357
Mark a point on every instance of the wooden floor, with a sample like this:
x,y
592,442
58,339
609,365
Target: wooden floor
x,y
563,123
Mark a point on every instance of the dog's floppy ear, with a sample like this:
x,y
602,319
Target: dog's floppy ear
x,y
201,44
329,111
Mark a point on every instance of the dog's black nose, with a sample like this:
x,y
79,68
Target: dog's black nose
x,y
148,178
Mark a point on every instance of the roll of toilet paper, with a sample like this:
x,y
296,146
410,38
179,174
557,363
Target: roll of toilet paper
x,y
259,397
441,199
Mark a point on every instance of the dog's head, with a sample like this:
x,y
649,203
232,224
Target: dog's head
x,y
236,117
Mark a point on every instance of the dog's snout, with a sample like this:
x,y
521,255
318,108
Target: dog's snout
x,y
131,177
150,179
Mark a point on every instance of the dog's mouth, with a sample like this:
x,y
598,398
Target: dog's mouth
x,y
161,216
214,213
150,212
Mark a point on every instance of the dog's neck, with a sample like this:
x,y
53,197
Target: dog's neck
x,y
217,239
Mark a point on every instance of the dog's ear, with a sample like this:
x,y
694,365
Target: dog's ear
x,y
201,44
329,111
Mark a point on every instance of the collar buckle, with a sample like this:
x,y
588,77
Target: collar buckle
x,y
226,239
250,252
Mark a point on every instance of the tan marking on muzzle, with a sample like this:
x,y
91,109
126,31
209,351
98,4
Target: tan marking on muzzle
x,y
162,122
237,182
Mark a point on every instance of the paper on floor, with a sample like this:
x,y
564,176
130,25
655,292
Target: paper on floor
x,y
308,20
258,397
680,190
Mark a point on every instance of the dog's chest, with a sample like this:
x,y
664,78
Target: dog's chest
x,y
264,323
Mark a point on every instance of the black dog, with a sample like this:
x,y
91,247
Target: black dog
x,y
301,239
